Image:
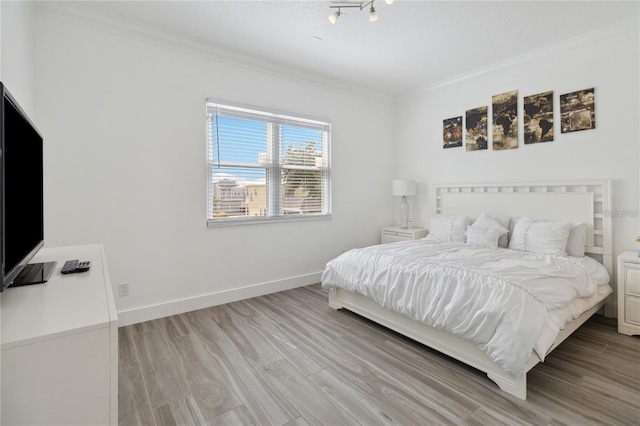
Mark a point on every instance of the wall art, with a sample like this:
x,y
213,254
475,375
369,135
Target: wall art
x,y
538,118
476,126
505,121
452,132
577,111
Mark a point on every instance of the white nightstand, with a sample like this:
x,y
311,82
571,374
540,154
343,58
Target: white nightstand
x,y
629,293
392,234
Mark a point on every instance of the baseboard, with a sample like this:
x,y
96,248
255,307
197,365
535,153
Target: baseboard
x,y
174,307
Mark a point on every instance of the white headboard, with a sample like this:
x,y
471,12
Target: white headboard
x,y
572,201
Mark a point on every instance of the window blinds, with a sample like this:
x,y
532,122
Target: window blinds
x,y
265,165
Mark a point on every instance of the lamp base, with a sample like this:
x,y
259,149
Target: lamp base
x,y
404,213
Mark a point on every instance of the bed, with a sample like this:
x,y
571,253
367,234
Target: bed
x,y
584,202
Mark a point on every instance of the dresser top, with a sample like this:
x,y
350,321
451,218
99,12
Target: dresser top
x,y
66,304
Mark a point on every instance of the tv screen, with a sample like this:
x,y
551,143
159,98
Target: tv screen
x,y
21,193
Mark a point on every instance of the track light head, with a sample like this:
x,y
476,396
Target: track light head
x,y
333,18
373,15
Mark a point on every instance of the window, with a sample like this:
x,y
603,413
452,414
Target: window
x,y
266,166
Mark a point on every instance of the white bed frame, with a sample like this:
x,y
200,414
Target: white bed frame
x,y
583,201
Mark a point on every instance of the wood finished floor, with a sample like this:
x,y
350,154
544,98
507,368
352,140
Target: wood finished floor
x,y
288,359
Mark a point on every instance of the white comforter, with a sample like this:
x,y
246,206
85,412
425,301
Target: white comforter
x,y
497,299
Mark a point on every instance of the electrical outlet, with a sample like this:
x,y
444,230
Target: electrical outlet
x,y
123,290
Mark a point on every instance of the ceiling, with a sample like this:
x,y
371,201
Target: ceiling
x,y
412,45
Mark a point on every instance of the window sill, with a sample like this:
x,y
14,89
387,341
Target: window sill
x,y
216,223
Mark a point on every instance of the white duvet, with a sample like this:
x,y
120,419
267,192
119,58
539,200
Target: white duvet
x,y
498,299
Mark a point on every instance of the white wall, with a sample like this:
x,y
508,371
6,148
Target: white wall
x,y
606,60
1,41
18,53
124,128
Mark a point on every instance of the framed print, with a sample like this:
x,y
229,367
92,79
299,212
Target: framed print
x,y
577,111
476,126
505,121
452,132
538,118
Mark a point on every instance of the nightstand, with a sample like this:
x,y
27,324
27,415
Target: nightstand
x,y
392,234
629,293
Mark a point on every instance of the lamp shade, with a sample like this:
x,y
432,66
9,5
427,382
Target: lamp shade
x,y
403,187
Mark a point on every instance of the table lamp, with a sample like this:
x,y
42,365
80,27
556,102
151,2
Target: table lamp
x,y
404,188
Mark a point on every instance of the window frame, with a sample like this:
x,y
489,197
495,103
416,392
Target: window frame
x,y
273,169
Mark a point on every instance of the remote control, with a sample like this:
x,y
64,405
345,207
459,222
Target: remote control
x,y
83,266
69,266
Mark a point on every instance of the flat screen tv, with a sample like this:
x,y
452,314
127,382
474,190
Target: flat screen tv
x,y
21,197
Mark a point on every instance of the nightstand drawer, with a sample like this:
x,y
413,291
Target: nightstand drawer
x,y
393,234
632,309
394,237
632,279
399,234
628,293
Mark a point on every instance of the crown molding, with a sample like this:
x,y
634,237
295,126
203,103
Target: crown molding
x,y
85,15
75,13
622,29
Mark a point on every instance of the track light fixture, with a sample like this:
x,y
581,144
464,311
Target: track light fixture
x,y
373,15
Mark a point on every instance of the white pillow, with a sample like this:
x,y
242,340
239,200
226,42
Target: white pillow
x,y
520,225
483,237
512,224
449,229
484,221
577,239
503,241
540,236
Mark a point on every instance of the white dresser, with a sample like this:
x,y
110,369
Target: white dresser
x,y
629,293
60,345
